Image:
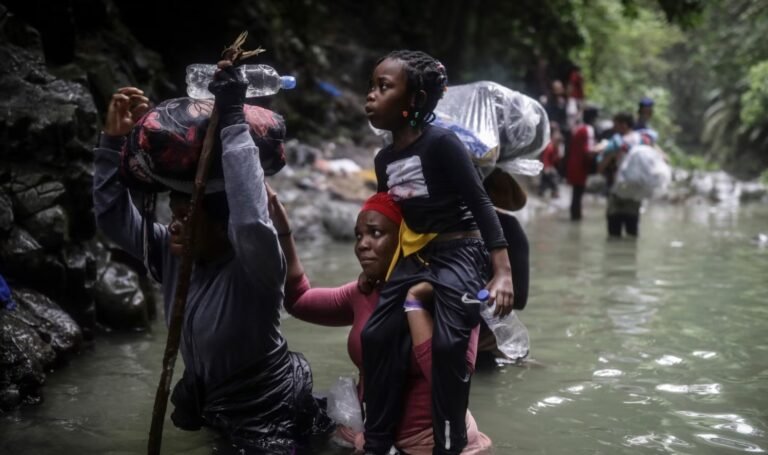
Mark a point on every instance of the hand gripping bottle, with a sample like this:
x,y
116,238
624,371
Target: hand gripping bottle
x,y
511,335
263,80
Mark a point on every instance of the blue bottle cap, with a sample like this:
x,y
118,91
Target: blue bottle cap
x,y
287,82
483,295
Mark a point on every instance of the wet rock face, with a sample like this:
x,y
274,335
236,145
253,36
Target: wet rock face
x,y
33,337
61,62
32,199
6,214
54,326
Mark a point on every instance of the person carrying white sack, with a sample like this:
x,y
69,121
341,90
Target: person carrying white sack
x,y
634,167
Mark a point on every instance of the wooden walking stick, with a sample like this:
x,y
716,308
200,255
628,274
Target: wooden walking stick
x,y
233,53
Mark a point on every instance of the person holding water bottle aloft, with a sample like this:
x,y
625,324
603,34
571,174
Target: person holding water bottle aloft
x,y
239,377
449,228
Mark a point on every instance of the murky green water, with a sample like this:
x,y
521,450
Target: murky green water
x,y
654,346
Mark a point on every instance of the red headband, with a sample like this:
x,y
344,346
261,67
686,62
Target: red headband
x,y
384,204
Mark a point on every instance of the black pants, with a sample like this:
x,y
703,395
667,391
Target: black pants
x,y
578,193
453,267
548,182
623,221
622,214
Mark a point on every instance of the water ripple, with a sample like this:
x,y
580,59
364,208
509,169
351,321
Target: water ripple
x,y
706,355
669,360
666,441
696,389
720,441
730,422
741,428
548,402
608,373
638,399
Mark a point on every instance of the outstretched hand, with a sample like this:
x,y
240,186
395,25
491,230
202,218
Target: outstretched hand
x,y
126,107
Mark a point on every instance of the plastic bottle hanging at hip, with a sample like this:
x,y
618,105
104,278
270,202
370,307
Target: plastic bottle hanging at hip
x,y
511,335
263,80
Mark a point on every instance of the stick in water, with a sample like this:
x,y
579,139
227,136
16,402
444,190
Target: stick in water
x,y
233,53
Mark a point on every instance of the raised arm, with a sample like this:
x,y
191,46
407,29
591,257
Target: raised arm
x,y
280,221
325,306
116,216
250,229
332,307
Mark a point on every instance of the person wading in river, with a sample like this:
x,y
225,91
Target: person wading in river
x,y
376,231
428,173
239,376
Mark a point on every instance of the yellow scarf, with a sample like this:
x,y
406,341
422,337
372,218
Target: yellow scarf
x,y
409,242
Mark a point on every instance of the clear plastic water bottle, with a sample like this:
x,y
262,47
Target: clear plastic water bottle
x,y
263,80
511,335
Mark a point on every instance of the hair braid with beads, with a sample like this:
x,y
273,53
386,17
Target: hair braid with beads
x,y
423,72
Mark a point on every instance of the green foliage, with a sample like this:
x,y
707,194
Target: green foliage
x,y
754,101
706,66
685,13
727,54
624,59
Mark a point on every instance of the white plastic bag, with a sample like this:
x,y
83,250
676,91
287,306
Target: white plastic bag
x,y
469,111
499,117
344,405
641,173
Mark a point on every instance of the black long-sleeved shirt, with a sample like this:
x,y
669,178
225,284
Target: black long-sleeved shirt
x,y
437,187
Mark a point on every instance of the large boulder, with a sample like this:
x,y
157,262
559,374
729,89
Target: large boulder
x,y
120,300
20,251
50,227
32,194
50,321
339,219
34,336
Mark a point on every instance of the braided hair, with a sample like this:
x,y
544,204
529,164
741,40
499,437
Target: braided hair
x,y
423,72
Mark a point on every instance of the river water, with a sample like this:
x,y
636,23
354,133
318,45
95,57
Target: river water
x,y
651,346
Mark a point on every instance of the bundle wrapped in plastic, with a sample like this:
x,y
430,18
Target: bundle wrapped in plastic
x,y
499,126
344,405
470,112
163,148
507,126
641,173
